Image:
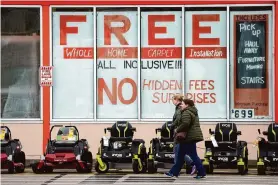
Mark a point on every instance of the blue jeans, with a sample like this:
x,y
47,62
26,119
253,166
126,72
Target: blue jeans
x,y
187,159
187,149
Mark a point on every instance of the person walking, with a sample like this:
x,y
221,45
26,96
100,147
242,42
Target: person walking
x,y
187,135
177,100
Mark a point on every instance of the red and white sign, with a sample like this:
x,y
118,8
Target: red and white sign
x,y
206,62
46,76
117,43
73,88
161,65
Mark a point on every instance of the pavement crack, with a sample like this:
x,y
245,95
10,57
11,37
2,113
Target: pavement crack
x,y
53,179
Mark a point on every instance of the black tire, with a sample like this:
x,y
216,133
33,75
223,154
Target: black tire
x,y
19,169
86,170
48,169
100,169
261,169
209,168
87,157
136,168
11,168
151,167
35,170
20,158
246,164
144,164
241,169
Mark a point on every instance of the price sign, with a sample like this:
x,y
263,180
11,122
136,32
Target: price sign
x,y
242,113
46,76
2,134
105,141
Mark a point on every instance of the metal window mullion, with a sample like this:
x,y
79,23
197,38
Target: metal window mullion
x,y
182,50
228,63
271,65
41,64
139,64
51,60
95,65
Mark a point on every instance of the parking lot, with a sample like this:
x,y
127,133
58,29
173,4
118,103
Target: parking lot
x,y
119,177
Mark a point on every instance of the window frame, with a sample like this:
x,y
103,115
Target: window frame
x,y
270,72
145,121
30,120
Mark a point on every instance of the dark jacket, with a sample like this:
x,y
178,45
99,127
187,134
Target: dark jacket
x,y
177,116
193,132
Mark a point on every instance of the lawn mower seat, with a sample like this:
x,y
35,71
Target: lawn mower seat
x,y
272,136
167,132
121,131
226,132
5,137
226,135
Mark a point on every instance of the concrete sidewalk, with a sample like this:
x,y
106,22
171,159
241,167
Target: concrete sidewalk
x,y
128,178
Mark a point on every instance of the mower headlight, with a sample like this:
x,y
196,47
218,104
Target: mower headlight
x,y
235,158
105,155
117,145
19,146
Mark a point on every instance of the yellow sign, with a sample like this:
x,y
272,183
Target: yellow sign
x,y
3,132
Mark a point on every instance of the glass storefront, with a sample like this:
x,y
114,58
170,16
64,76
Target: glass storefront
x,y
127,62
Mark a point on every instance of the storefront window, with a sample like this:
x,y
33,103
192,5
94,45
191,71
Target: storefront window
x,y
161,61
73,73
251,58
206,60
20,62
117,43
227,78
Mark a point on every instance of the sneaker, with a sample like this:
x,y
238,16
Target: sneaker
x,y
193,170
170,175
200,177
